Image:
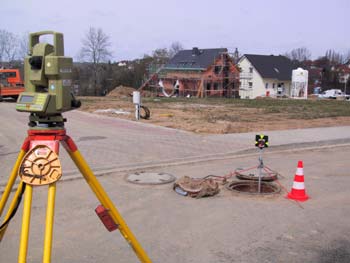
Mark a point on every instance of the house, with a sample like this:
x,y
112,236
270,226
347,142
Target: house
x,y
262,75
347,63
344,72
197,72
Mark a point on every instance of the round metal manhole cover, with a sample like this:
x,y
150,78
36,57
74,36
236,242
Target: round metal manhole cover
x,y
150,178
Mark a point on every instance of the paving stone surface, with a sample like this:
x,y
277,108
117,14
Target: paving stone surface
x,y
109,143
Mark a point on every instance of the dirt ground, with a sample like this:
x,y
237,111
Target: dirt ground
x,y
220,116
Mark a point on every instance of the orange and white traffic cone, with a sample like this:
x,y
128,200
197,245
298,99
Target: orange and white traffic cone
x,y
298,190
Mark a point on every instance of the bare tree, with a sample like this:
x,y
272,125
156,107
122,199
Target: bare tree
x,y
299,54
174,48
347,56
160,55
334,57
11,47
95,49
3,40
23,46
8,46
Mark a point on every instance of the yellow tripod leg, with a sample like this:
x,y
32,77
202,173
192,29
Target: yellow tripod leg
x,y
11,208
50,212
108,204
11,181
23,246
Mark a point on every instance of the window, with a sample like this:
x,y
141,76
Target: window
x,y
5,75
250,84
217,86
266,85
11,74
217,69
280,88
208,86
273,85
251,70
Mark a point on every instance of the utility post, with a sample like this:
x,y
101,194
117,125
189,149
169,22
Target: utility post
x,y
346,81
136,97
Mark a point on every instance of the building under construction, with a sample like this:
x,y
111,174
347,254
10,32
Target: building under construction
x,y
195,72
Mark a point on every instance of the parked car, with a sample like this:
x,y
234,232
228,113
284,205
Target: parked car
x,y
332,94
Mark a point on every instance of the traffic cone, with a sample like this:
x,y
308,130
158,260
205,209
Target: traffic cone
x,y
298,189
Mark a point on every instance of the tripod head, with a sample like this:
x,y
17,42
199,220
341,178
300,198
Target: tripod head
x,y
48,82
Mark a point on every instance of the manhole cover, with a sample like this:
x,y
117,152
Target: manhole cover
x,y
251,187
150,178
266,175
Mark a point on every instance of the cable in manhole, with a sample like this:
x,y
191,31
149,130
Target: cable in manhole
x,y
150,178
252,188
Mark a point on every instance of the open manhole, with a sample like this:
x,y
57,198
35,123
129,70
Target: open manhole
x,y
266,175
251,187
150,178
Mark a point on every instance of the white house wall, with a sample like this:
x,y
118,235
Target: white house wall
x,y
259,84
273,91
258,88
270,83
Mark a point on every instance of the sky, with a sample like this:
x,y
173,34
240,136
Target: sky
x,y
138,27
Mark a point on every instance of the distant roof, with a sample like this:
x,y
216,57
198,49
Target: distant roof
x,y
196,59
272,67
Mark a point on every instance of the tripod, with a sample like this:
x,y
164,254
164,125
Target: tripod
x,y
38,164
261,141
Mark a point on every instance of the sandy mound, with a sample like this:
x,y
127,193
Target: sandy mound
x,y
124,91
147,93
121,92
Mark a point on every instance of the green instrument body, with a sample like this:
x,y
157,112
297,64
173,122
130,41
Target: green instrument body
x,y
48,80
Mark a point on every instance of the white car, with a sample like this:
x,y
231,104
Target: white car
x,y
332,94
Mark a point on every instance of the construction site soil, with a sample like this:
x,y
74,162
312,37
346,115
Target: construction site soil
x,y
222,115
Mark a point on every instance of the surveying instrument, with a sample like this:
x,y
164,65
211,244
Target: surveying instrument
x,y
261,172
261,141
48,81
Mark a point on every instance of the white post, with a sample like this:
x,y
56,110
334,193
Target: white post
x,y
136,98
346,81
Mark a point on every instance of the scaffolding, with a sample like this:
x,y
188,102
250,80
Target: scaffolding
x,y
246,85
218,80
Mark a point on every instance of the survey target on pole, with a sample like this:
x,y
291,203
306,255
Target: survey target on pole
x,y
261,141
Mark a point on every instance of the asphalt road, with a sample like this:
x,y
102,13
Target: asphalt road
x,y
226,228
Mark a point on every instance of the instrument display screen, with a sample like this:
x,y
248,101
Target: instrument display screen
x,y
27,99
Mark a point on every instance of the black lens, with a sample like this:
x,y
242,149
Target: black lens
x,y
36,62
